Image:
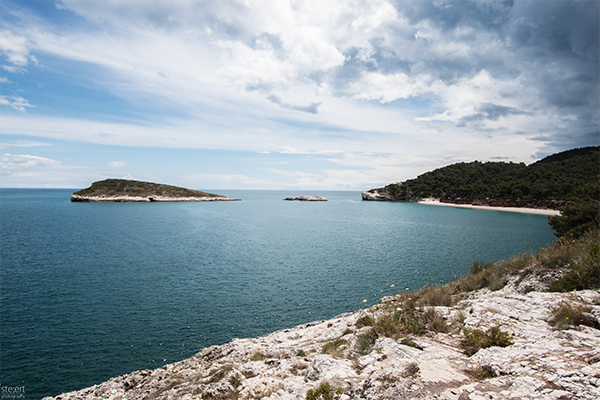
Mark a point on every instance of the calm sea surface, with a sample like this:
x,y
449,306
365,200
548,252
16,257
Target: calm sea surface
x,y
91,291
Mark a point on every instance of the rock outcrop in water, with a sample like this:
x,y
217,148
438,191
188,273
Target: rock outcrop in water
x,y
374,195
306,198
344,358
122,190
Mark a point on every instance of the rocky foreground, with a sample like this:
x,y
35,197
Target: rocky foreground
x,y
540,362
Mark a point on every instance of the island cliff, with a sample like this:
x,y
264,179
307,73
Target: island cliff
x,y
122,190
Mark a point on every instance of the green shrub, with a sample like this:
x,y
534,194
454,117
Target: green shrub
x,y
476,339
567,315
581,275
333,348
578,217
365,321
483,372
365,341
324,392
409,342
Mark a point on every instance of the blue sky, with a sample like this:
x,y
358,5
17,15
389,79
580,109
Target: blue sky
x,y
276,94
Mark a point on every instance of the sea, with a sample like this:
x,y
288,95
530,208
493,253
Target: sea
x,y
91,291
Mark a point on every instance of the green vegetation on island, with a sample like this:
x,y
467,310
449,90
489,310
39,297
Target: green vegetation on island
x,y
122,189
552,182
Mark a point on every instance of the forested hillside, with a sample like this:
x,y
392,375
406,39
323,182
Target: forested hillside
x,y
550,182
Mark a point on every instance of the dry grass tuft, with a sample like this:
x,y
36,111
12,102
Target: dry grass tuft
x,y
567,315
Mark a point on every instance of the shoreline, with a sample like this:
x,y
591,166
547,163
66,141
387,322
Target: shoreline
x,y
523,210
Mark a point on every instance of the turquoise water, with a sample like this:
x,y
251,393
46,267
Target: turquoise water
x,y
91,291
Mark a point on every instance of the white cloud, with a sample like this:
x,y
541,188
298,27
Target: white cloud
x,y
16,102
379,86
117,164
15,50
17,163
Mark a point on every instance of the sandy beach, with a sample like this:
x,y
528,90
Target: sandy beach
x,y
507,209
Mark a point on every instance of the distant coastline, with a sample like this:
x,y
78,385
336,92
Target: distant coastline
x,y
523,210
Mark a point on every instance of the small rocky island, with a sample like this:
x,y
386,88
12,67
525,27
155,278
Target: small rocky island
x,y
123,190
306,198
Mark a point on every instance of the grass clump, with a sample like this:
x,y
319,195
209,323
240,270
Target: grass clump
x,y
365,341
483,372
334,349
324,392
435,321
301,353
567,315
367,320
409,342
479,266
411,370
476,339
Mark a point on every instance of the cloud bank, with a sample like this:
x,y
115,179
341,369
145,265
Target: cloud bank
x,y
408,85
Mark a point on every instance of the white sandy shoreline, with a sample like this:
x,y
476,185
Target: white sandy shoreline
x,y
523,210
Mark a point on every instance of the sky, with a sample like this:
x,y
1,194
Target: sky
x,y
289,94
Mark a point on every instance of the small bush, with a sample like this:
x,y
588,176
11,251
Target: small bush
x,y
324,392
479,266
411,343
440,295
566,315
483,372
411,370
333,348
389,325
582,275
578,217
411,321
458,322
434,320
365,341
365,321
475,339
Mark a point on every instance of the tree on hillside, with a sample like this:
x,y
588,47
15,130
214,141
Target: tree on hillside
x,y
580,216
